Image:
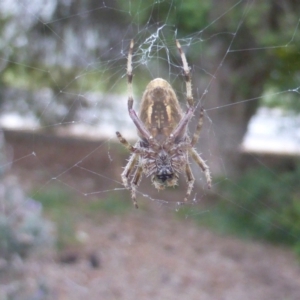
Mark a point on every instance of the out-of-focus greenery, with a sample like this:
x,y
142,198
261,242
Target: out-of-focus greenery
x,y
66,210
187,16
261,204
113,205
269,28
266,28
58,204
17,76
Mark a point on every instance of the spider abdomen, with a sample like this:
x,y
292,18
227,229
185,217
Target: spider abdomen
x,y
160,110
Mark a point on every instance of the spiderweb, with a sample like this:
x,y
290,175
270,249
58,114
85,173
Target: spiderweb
x,y
84,107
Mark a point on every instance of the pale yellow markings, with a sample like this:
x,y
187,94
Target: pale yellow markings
x,y
156,118
149,113
169,112
162,117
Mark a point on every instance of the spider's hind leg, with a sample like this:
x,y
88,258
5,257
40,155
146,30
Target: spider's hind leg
x,y
190,181
134,184
201,163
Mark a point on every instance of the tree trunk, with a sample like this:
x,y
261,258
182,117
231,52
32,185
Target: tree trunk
x,y
232,99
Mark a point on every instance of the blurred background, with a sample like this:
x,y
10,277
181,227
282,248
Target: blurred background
x,y
68,228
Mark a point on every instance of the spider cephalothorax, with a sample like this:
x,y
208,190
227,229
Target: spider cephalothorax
x,y
164,145
164,170
163,166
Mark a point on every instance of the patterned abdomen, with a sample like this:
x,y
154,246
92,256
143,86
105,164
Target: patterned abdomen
x,y
160,110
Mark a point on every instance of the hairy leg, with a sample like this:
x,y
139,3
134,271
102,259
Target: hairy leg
x,y
187,76
129,75
128,170
136,120
125,143
190,181
134,184
201,163
198,128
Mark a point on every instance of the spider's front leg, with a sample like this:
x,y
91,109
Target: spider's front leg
x,y
187,76
131,163
130,75
136,120
125,143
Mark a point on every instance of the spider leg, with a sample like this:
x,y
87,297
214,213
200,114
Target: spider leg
x,y
187,76
201,163
128,170
140,126
130,75
198,128
180,129
125,143
190,181
131,148
136,120
134,184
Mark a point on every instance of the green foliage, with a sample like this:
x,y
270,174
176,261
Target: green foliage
x,y
66,210
285,76
178,13
16,76
266,25
111,205
54,198
287,101
261,204
61,207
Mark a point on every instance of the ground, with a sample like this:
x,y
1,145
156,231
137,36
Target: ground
x,y
142,254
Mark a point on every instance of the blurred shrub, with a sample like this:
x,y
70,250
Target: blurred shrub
x,y
67,210
113,204
64,210
265,204
22,226
261,204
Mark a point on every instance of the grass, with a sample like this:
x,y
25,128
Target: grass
x,y
66,210
111,205
260,204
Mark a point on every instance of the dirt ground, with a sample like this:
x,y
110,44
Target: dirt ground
x,y
143,255
148,253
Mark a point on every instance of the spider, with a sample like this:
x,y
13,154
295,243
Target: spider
x,y
164,147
